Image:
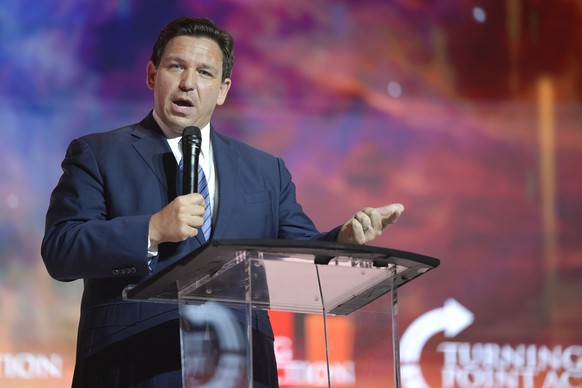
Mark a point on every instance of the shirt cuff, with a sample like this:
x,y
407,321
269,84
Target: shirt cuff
x,y
152,254
152,249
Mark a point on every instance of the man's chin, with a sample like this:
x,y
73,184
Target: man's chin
x,y
178,124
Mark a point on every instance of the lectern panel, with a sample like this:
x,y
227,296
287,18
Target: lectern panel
x,y
285,275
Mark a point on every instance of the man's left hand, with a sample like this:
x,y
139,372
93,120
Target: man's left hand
x,y
369,223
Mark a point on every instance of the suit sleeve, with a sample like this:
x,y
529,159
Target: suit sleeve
x,y
81,240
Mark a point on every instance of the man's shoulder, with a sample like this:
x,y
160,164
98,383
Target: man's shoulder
x,y
122,136
242,148
112,134
116,141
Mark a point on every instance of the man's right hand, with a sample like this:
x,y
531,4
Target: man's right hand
x,y
178,220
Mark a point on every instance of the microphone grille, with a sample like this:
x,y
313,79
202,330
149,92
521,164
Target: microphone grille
x,y
192,131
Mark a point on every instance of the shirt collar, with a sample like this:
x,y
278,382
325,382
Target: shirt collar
x,y
174,144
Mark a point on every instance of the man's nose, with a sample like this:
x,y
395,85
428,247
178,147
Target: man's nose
x,y
188,80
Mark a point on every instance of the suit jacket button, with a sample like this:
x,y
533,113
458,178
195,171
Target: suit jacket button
x,y
115,272
132,270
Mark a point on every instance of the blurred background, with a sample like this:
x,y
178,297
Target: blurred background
x,y
469,113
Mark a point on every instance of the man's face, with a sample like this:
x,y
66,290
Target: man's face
x,y
187,84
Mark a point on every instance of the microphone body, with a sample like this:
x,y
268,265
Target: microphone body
x,y
191,141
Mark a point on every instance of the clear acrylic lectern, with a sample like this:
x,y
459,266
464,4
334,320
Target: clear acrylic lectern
x,y
223,283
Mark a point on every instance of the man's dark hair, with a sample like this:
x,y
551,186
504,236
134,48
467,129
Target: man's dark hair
x,y
199,27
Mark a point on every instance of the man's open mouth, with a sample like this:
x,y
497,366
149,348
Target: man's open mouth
x,y
183,102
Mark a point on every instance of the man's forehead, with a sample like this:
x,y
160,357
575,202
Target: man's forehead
x,y
184,46
189,42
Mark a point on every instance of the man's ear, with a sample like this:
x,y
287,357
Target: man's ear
x,y
223,91
151,75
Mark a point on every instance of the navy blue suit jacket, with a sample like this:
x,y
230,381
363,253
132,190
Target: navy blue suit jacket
x,y
97,230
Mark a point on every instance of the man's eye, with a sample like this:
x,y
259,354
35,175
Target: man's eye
x,y
175,66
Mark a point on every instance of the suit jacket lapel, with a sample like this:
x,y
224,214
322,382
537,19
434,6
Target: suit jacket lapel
x,y
156,153
226,164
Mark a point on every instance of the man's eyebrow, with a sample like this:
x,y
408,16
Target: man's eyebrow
x,y
174,58
207,67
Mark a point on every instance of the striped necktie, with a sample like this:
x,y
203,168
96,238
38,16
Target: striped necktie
x,y
203,190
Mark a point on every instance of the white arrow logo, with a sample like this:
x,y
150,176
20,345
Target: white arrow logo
x,y
452,318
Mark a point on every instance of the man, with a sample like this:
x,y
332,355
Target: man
x,y
116,216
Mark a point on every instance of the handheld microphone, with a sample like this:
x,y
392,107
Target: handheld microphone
x,y
191,141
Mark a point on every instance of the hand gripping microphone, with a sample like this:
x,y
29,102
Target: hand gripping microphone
x,y
191,141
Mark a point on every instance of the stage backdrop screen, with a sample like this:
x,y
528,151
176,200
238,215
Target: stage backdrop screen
x,y
467,112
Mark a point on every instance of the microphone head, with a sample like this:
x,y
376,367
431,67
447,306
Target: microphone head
x,y
192,131
191,140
